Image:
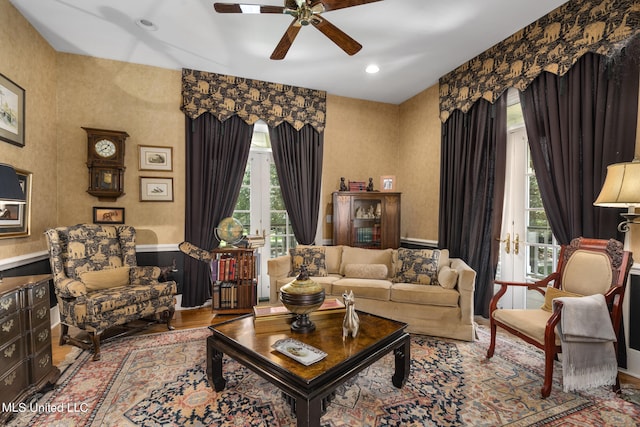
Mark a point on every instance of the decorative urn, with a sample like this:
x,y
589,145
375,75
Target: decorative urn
x,y
301,297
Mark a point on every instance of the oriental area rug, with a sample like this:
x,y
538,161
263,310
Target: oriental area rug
x,y
160,380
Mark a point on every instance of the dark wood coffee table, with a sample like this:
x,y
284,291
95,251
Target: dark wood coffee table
x,y
309,388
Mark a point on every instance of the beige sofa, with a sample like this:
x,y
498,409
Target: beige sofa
x,y
426,289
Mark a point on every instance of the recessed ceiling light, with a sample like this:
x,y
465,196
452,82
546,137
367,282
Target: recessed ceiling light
x,y
146,24
372,69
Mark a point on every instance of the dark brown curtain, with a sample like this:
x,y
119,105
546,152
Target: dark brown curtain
x,y
577,125
472,173
298,159
216,157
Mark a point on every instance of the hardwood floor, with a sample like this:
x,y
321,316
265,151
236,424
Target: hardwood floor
x,y
185,319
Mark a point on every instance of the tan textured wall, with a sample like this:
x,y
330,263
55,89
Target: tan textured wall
x,y
140,100
29,61
361,141
419,164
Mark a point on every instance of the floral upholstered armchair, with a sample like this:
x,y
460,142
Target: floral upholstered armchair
x,y
98,283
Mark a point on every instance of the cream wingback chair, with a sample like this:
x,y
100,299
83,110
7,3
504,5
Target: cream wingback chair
x,y
98,283
585,267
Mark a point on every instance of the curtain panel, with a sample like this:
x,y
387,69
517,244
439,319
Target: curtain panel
x,y
577,125
252,100
216,158
553,44
298,158
472,178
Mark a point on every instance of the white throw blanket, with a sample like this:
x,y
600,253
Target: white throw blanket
x,y
587,337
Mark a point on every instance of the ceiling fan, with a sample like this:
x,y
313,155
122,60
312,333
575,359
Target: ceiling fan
x,y
304,12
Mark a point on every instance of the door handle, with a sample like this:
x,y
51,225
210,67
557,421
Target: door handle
x,y
507,243
516,245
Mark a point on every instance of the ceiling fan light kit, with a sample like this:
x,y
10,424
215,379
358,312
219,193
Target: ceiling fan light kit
x,y
304,12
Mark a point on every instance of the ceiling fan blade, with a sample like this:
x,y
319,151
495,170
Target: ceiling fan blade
x,y
339,37
246,8
285,42
341,4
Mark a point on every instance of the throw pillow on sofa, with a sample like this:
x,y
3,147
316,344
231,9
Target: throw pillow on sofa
x,y
418,266
447,277
312,257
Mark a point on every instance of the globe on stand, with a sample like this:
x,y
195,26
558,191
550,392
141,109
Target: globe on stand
x,y
229,230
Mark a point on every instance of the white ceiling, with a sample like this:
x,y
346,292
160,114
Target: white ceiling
x,y
414,42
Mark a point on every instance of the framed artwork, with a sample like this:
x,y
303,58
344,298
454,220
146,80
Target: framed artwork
x,y
15,219
11,112
388,183
108,215
152,158
155,189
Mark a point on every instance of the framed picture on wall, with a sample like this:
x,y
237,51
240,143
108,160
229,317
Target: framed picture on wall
x,y
15,219
11,112
388,183
108,215
154,158
156,189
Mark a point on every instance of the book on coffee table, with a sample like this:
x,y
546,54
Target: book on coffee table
x,y
275,310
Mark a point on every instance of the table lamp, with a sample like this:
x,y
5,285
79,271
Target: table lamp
x,y
10,191
621,189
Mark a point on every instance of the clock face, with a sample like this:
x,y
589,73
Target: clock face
x,y
105,148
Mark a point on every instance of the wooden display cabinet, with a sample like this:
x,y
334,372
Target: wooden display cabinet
x,y
233,280
366,219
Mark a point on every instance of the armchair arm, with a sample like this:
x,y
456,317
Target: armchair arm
x,y
140,275
535,286
69,288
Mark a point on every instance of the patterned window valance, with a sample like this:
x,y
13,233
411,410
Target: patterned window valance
x,y
251,100
553,43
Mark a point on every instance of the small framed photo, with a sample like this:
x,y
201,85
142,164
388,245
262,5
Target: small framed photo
x,y
11,112
15,219
153,158
108,215
156,189
388,183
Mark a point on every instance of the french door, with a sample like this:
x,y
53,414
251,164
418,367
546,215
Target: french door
x,y
261,210
528,250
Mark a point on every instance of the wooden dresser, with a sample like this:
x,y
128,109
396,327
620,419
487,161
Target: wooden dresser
x,y
25,340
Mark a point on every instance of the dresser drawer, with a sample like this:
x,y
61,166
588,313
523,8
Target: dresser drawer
x,y
9,303
11,353
14,382
37,294
40,338
41,365
38,315
9,327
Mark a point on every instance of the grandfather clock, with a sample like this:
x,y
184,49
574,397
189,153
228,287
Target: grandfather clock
x,y
105,160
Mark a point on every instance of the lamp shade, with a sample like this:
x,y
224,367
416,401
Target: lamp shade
x,y
621,186
10,190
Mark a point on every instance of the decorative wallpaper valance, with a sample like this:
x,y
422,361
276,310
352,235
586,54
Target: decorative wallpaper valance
x,y
553,43
252,100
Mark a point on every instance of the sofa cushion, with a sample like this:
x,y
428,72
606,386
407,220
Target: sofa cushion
x,y
363,288
427,295
312,257
447,277
552,293
366,271
418,266
352,255
105,279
